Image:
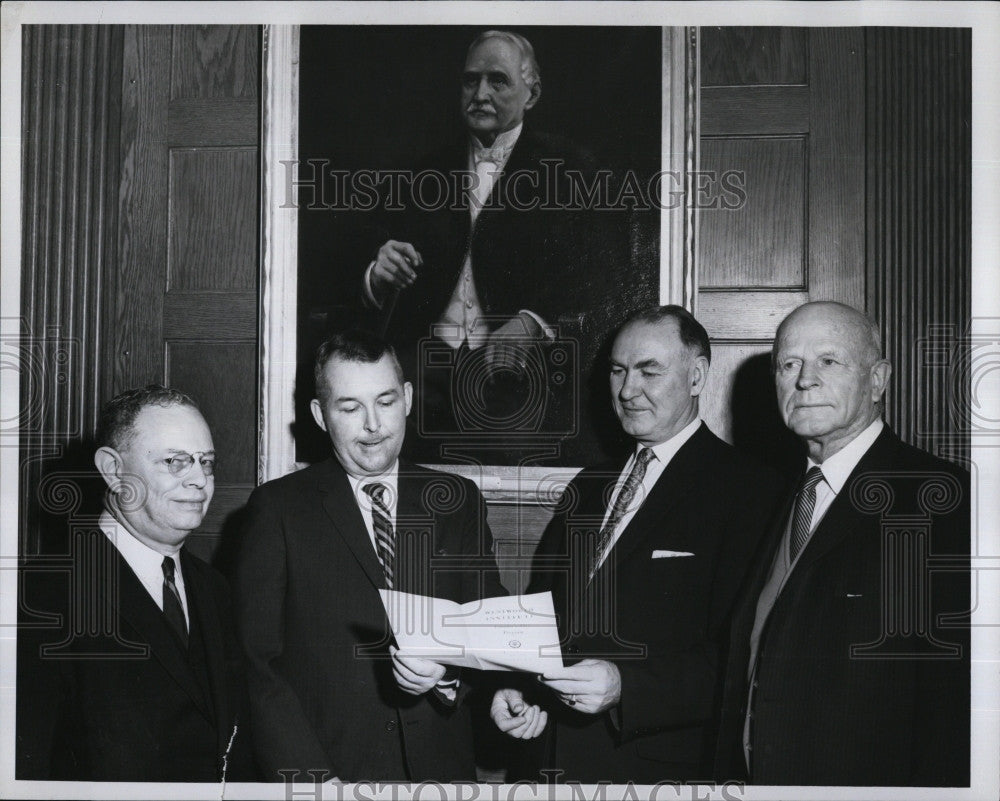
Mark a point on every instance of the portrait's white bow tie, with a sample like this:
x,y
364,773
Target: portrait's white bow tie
x,y
494,155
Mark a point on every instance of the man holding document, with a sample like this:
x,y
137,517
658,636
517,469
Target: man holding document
x,y
329,690
644,561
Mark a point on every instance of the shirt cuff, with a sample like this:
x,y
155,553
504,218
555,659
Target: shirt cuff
x,y
369,292
447,690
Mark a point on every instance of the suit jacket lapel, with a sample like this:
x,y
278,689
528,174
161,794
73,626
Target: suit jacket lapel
x,y
139,610
670,488
842,517
342,509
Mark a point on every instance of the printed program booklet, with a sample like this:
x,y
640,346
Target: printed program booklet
x,y
511,633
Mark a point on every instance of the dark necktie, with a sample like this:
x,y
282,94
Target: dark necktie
x,y
804,505
385,537
625,497
172,608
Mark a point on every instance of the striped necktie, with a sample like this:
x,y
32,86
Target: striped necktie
x,y
385,537
804,505
625,497
173,610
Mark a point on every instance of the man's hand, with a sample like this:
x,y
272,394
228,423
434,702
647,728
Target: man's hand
x,y
508,345
590,686
413,674
516,718
395,267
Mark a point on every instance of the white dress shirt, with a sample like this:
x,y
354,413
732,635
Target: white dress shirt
x,y
663,453
146,563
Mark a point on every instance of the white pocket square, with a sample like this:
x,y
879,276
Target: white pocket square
x,y
669,554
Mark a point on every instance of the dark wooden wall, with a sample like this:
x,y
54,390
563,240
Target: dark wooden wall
x,y
780,108
919,149
856,146
186,311
140,249
71,98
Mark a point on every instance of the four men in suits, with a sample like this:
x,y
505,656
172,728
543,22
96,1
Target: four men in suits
x,y
329,692
128,664
850,652
644,561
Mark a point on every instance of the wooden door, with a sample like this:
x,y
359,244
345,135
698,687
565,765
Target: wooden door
x,y
186,306
782,216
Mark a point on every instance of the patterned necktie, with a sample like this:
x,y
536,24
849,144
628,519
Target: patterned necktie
x,y
804,505
385,537
625,497
172,608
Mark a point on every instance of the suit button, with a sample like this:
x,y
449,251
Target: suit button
x,y
756,684
390,725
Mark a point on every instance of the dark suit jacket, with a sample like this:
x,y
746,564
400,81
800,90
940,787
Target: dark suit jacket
x,y
316,634
822,715
105,690
665,620
532,248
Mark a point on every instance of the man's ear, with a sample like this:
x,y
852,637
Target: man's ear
x,y
536,92
317,412
408,396
109,464
880,373
699,375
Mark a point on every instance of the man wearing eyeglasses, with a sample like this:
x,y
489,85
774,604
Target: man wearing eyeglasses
x,y
142,680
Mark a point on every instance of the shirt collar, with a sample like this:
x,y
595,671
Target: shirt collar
x,y
665,451
839,467
143,560
501,146
390,479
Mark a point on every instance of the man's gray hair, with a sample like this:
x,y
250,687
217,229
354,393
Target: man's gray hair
x,y
530,71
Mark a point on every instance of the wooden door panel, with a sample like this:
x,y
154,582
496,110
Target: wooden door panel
x,y
188,298
783,108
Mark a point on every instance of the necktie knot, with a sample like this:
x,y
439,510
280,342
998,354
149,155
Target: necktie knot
x,y
376,492
645,456
168,568
813,476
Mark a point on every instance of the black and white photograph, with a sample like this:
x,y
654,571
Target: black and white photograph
x,y
500,400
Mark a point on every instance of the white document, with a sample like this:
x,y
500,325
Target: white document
x,y
512,633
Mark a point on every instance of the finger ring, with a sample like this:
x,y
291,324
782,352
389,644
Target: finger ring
x,y
571,699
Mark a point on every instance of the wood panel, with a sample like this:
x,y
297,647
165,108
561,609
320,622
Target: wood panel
x,y
190,304
763,242
919,223
800,234
741,56
200,315
71,97
213,373
754,110
142,242
739,404
215,61
213,219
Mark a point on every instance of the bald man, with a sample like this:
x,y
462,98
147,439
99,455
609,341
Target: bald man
x,y
843,669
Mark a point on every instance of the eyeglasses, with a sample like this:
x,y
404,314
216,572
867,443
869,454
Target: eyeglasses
x,y
180,463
